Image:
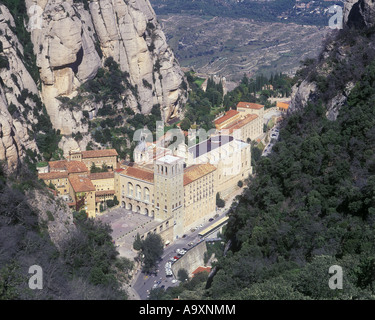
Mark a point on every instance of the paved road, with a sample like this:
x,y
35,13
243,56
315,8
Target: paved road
x,y
274,134
145,283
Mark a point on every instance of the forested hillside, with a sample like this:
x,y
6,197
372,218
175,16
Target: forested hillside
x,y
312,202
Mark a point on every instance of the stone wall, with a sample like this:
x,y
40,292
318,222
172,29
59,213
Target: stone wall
x,y
192,259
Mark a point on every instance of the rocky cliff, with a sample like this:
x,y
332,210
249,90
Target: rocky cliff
x,y
344,48
17,92
71,41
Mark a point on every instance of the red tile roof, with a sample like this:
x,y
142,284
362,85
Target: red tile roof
x,y
197,171
57,165
229,114
240,123
250,105
283,105
81,184
76,167
99,153
139,173
53,175
201,269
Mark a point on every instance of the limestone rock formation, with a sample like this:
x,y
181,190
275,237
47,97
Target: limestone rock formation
x,y
16,90
55,214
73,39
302,94
359,14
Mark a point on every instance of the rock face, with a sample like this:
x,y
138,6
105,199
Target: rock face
x,y
55,214
359,14
16,89
72,41
302,94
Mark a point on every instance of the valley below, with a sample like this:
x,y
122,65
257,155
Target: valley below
x,y
232,47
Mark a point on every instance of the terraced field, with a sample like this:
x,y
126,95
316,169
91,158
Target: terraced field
x,y
231,47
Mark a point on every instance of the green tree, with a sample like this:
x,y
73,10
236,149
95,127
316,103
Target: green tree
x,y
185,124
219,202
152,249
183,275
137,244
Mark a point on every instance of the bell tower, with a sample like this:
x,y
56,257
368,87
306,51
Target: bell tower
x,y
169,191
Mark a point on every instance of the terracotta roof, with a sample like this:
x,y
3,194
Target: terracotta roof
x,y
99,153
139,173
197,171
57,165
101,175
52,175
229,114
240,123
76,167
283,105
201,269
249,105
104,192
81,184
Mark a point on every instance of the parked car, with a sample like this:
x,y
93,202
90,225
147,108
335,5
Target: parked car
x,y
211,219
192,229
163,286
174,281
176,257
184,236
190,244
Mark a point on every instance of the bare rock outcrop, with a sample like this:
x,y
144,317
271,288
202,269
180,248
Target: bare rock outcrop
x,y
55,214
359,14
17,88
73,39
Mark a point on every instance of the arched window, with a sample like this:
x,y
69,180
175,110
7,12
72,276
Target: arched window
x,y
130,189
138,192
146,194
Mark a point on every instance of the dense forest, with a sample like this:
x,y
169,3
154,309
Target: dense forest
x,y
311,204
259,89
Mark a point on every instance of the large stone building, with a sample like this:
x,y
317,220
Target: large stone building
x,y
245,123
106,157
230,156
175,196
82,189
176,187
